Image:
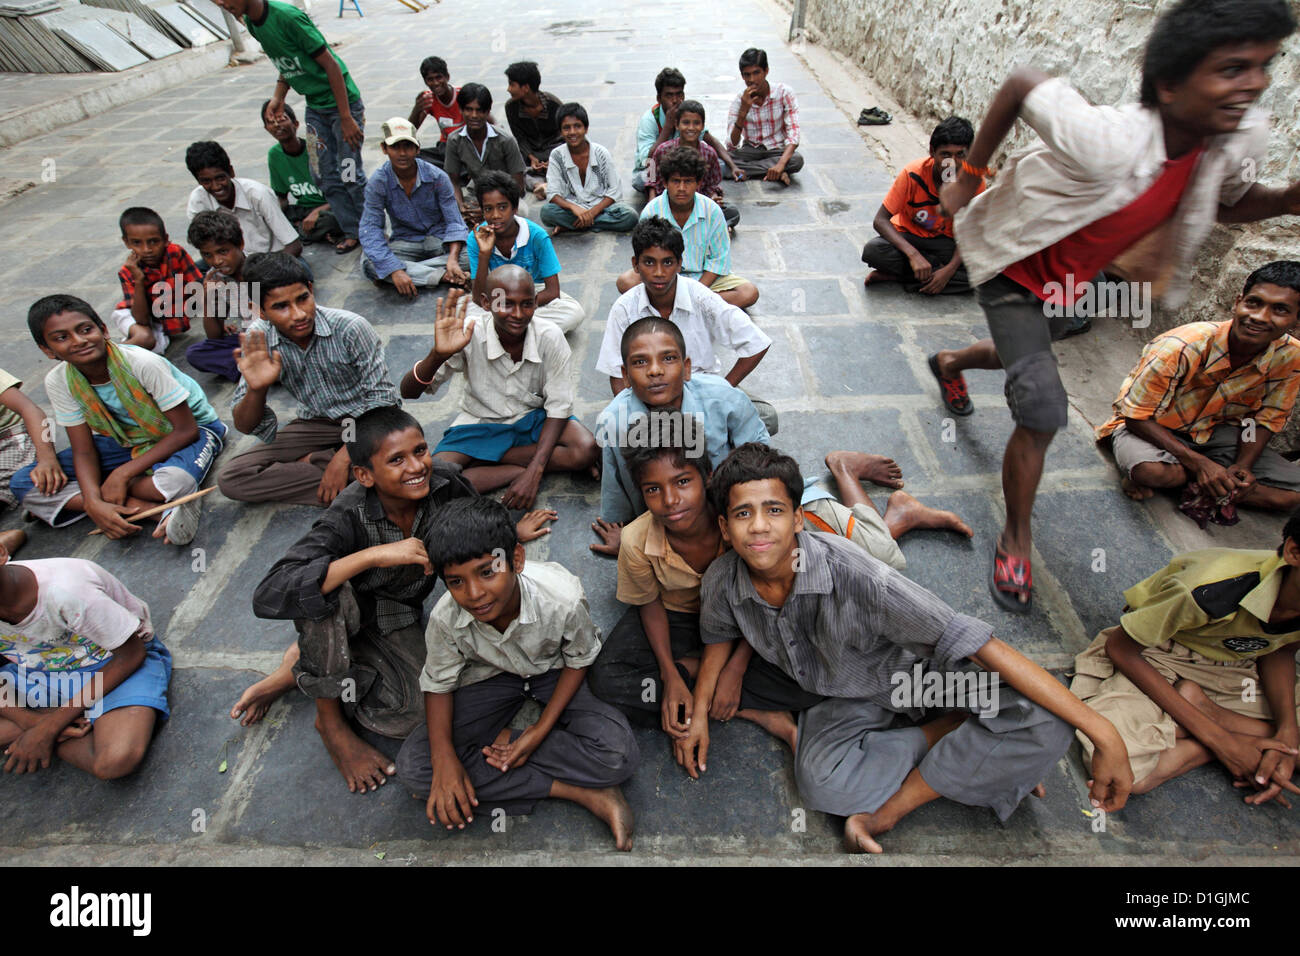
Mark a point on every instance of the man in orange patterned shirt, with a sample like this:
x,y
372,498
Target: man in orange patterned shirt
x,y
1205,399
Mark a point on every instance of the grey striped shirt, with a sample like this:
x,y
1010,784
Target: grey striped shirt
x,y
341,373
564,180
848,626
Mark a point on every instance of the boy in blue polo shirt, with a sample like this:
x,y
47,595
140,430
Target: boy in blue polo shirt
x,y
507,237
702,223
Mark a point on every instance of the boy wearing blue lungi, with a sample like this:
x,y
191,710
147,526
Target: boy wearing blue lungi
x,y
515,421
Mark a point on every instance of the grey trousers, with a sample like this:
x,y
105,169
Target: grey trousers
x,y
755,161
376,677
853,755
590,746
273,471
626,673
424,262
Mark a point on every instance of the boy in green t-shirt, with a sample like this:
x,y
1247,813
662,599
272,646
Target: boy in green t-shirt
x,y
303,203
335,115
1202,668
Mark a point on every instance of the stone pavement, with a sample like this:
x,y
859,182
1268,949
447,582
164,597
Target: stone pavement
x,y
846,370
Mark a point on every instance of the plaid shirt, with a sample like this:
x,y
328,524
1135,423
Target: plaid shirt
x,y
389,598
1184,382
165,286
772,124
341,372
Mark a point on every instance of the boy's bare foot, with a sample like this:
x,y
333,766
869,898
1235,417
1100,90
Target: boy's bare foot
x,y
1135,491
876,469
362,766
904,513
12,540
257,699
861,829
779,723
876,276
608,804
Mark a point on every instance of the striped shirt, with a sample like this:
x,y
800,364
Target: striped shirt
x,y
389,598
708,247
564,180
851,643
341,372
773,123
1186,383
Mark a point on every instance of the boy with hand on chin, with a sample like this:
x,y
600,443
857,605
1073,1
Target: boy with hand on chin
x,y
842,624
505,237
289,166
766,116
127,412
508,630
329,360
515,422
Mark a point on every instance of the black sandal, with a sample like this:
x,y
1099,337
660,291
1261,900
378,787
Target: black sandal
x,y
874,116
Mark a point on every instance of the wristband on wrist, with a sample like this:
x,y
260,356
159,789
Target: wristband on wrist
x,y
980,171
415,373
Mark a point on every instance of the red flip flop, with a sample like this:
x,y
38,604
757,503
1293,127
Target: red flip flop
x,y
953,391
1011,578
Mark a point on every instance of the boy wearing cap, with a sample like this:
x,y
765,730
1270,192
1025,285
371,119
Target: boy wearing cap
x,y
336,118
427,244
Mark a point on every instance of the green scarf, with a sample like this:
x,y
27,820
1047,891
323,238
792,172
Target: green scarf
x,y
148,424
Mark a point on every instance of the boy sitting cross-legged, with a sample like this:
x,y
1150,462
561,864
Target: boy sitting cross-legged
x,y
706,256
515,420
505,631
89,677
504,237
289,164
26,440
848,627
583,188
153,282
220,241
142,432
330,360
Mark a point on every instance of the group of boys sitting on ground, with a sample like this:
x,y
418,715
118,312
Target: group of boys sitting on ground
x,y
736,606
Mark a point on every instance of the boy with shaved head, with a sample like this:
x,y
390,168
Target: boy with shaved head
x,y
515,421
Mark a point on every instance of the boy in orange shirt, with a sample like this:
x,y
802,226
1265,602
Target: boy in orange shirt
x,y
915,244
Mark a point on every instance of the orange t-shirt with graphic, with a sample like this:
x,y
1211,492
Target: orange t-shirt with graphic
x,y
913,201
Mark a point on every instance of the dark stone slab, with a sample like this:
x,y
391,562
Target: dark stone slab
x,y
858,360
834,251
799,297
156,804
808,437
762,213
978,440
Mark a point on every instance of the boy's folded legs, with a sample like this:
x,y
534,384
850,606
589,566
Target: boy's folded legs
x,y
375,677
276,471
591,746
179,475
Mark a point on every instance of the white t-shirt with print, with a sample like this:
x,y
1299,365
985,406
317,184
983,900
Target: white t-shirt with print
x,y
82,614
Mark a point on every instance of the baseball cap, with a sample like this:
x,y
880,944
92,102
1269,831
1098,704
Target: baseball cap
x,y
397,129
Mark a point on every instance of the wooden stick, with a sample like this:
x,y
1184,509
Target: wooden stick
x,y
167,506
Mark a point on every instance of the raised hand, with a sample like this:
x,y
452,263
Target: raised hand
x,y
258,364
451,332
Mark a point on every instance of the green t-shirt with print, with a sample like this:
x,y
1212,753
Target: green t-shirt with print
x,y
291,175
291,40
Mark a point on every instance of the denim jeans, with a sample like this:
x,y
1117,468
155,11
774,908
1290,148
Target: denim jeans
x,y
336,166
424,262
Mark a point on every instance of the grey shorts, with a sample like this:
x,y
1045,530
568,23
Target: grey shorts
x,y
1221,447
1023,334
